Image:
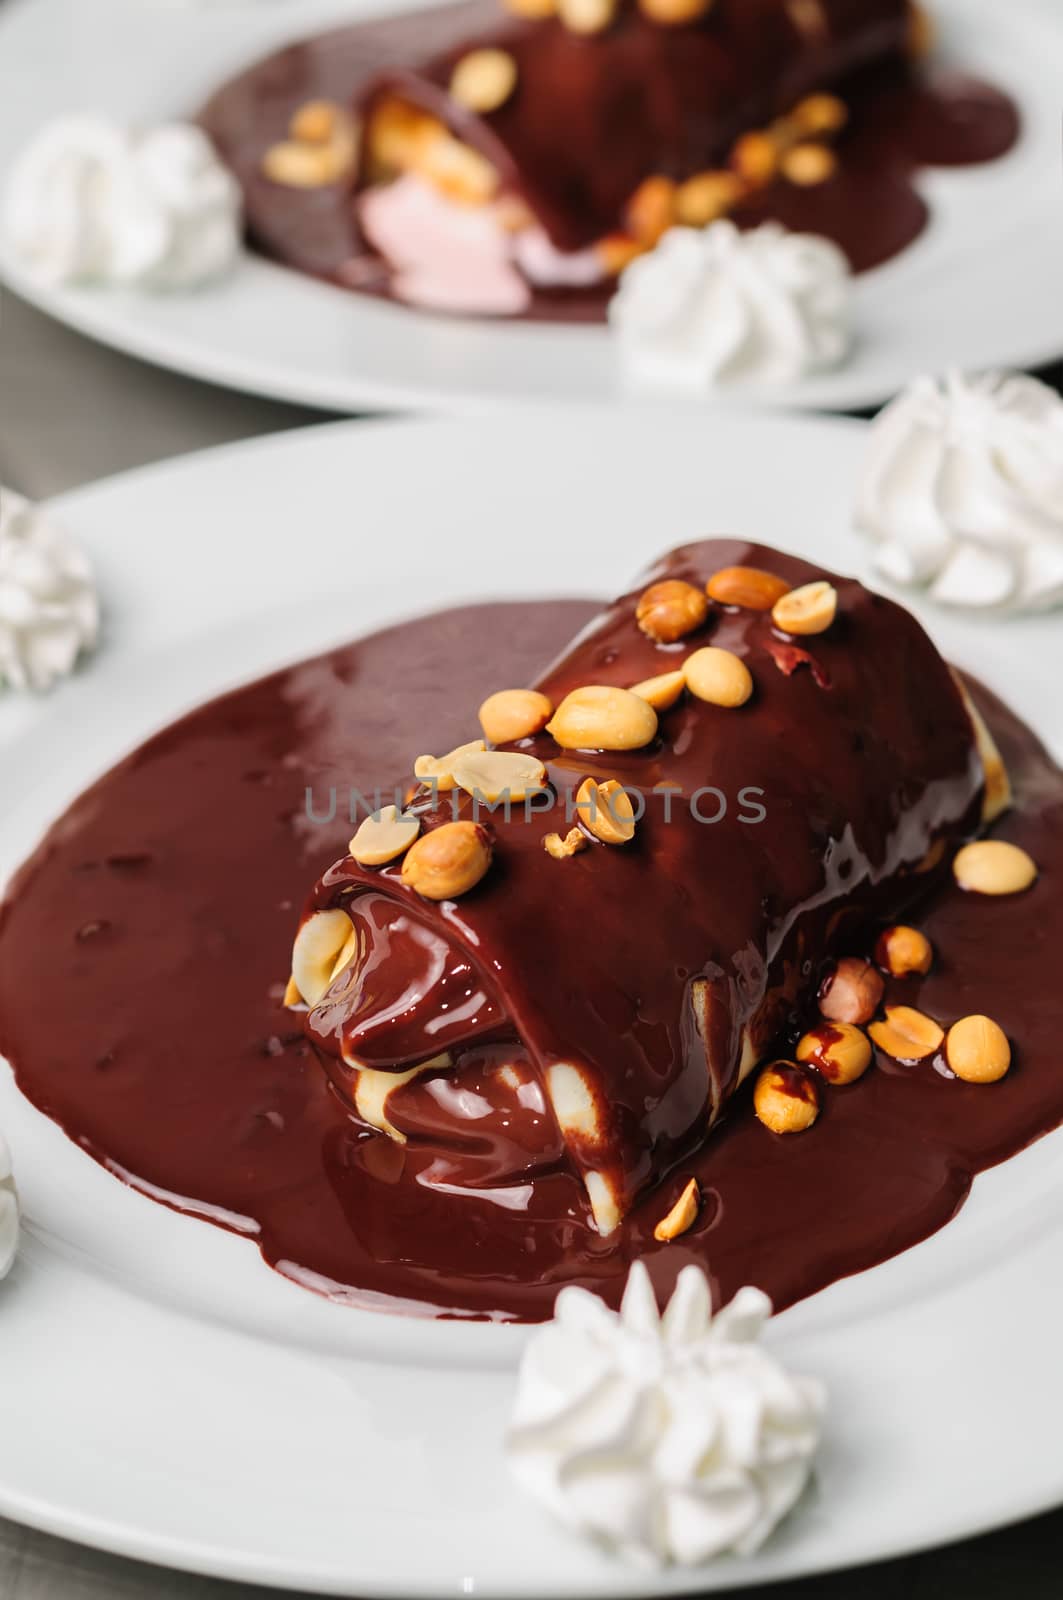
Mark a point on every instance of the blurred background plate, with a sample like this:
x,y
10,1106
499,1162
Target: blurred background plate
x,y
163,1394
980,289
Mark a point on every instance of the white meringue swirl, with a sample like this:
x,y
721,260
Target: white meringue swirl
x,y
716,305
9,1214
48,608
667,1439
963,490
89,202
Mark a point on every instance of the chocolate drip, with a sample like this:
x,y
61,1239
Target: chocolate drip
x,y
141,1009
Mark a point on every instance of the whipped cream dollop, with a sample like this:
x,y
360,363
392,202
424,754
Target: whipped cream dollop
x,y
671,1438
963,491
48,607
89,201
9,1217
716,305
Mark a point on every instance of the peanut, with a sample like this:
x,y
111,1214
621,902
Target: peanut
x,y
820,113
316,122
570,845
808,165
606,811
675,13
838,1051
438,770
747,587
977,1050
809,609
484,80
499,775
852,991
586,16
706,197
785,1098
755,157
383,837
992,866
650,211
669,610
513,714
602,718
682,1216
661,692
447,862
718,676
901,951
907,1034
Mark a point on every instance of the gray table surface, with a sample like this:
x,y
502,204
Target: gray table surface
x,y
70,412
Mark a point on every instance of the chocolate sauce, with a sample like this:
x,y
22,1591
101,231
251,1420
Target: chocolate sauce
x,y
141,1009
578,148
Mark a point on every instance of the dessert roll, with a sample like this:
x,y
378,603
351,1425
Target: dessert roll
x,y
581,137
569,950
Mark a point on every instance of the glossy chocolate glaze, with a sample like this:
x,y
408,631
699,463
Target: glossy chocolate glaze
x,y
742,66
143,954
591,960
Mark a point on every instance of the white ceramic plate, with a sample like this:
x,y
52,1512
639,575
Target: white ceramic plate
x,y
980,289
163,1393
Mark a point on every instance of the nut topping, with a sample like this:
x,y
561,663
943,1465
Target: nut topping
x,y
785,1098
977,1050
820,113
499,775
383,837
755,157
901,951
317,122
586,16
439,770
852,992
907,1034
747,587
661,692
570,845
718,677
483,80
447,862
514,714
670,610
992,866
601,718
837,1050
808,165
706,197
682,1216
650,211
292,997
809,609
322,148
674,13
606,811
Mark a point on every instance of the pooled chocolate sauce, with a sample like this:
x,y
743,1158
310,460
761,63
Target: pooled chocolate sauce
x,y
579,150
145,947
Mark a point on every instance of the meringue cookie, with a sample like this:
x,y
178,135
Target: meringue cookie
x,y
89,202
715,305
671,1438
9,1216
48,607
963,491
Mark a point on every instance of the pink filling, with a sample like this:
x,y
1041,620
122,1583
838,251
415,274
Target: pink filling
x,y
449,257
